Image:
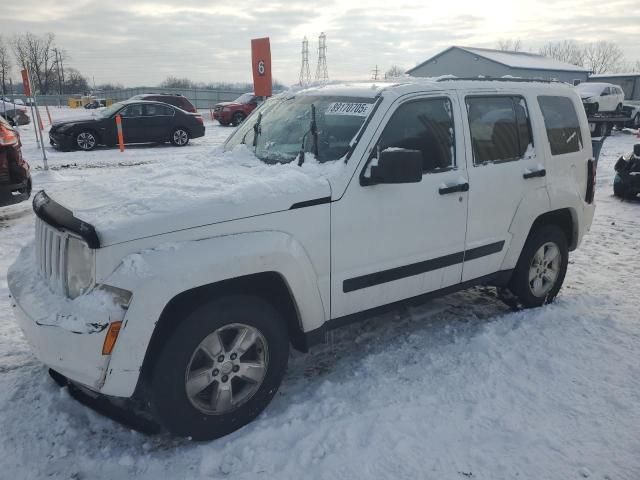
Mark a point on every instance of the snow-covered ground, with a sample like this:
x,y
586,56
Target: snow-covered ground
x,y
459,388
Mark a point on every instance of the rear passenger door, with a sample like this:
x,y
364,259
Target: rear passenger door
x,y
503,171
157,121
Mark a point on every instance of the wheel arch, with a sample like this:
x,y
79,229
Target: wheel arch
x,y
564,218
269,285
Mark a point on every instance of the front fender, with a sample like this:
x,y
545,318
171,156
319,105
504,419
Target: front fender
x,y
156,276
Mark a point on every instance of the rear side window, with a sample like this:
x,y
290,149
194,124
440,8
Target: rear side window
x,y
424,125
154,110
561,122
500,128
185,105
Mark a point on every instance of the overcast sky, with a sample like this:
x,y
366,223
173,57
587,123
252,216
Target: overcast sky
x,y
142,42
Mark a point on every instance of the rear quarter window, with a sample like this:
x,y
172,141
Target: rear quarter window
x,y
561,123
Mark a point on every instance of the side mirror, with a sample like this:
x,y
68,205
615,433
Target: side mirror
x,y
396,165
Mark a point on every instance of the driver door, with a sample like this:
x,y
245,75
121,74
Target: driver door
x,y
390,242
133,123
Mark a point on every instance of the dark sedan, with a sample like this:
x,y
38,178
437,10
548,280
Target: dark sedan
x,y
142,122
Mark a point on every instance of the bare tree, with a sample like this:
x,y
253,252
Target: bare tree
x,y
510,44
394,72
175,82
36,54
567,51
5,64
75,82
603,56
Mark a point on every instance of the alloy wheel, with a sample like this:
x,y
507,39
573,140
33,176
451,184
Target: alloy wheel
x,y
180,137
544,269
86,140
226,369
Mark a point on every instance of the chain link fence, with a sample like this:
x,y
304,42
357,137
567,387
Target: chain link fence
x,y
200,98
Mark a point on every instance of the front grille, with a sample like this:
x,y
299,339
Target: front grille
x,y
51,252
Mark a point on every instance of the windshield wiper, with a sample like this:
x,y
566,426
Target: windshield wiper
x,y
256,131
313,129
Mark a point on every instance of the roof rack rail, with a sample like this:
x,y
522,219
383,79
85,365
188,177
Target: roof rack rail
x,y
497,79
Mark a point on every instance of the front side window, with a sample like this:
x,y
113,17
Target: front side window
x,y
426,126
132,111
561,122
500,128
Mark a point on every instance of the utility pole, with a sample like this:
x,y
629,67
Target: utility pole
x,y
374,73
55,50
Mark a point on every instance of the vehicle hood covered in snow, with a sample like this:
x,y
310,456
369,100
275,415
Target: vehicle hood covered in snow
x,y
177,194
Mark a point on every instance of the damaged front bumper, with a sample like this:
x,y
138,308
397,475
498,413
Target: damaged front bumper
x,y
66,335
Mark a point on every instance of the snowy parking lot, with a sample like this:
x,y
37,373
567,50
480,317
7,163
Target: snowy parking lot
x,y
459,388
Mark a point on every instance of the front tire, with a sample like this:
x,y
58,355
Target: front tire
x,y
220,367
180,137
541,267
86,140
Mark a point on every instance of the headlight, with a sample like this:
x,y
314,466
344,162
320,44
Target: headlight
x,y
80,271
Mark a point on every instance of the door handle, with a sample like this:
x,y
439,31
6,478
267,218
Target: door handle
x,y
459,187
534,174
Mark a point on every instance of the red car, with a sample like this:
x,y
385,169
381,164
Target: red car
x,y
235,112
15,174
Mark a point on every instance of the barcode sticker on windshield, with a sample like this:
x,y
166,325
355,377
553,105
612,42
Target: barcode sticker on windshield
x,y
343,108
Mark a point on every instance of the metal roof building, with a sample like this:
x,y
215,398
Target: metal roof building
x,y
474,62
630,83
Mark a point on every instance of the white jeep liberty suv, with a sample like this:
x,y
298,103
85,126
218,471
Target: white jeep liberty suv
x,y
327,204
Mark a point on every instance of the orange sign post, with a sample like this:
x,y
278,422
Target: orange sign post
x,y
120,135
46,107
261,64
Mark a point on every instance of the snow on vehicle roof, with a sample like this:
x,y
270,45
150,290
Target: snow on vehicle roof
x,y
523,60
372,89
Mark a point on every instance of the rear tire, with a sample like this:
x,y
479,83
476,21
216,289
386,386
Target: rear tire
x,y
199,388
541,267
180,137
636,121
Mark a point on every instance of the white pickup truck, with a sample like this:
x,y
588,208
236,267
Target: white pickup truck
x,y
326,205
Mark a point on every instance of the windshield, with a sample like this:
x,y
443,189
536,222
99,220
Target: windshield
x,y
109,111
244,98
276,130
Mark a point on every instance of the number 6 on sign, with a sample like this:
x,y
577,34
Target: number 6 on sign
x,y
120,136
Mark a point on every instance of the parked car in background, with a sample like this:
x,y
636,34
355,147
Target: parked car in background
x,y
626,183
600,97
142,122
97,103
233,113
15,174
440,187
176,100
14,114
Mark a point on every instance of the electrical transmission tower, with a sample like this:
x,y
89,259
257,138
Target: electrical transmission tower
x,y
375,73
305,76
322,75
